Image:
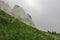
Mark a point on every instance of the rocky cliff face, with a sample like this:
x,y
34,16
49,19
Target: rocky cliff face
x,y
17,12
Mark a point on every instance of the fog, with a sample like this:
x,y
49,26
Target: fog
x,y
45,13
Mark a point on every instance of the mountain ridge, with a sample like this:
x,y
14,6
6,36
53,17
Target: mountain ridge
x,y
18,30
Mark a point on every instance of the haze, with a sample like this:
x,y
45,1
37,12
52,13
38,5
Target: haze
x,y
45,13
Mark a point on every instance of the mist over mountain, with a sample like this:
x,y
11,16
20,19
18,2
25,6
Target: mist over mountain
x,y
44,13
14,28
17,12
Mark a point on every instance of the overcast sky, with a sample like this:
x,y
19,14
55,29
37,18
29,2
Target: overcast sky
x,y
45,13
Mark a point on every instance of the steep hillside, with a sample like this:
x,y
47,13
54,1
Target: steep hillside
x,y
13,29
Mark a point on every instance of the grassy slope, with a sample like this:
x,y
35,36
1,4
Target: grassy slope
x,y
20,31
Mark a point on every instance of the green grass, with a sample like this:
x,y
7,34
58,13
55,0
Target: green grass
x,y
21,31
